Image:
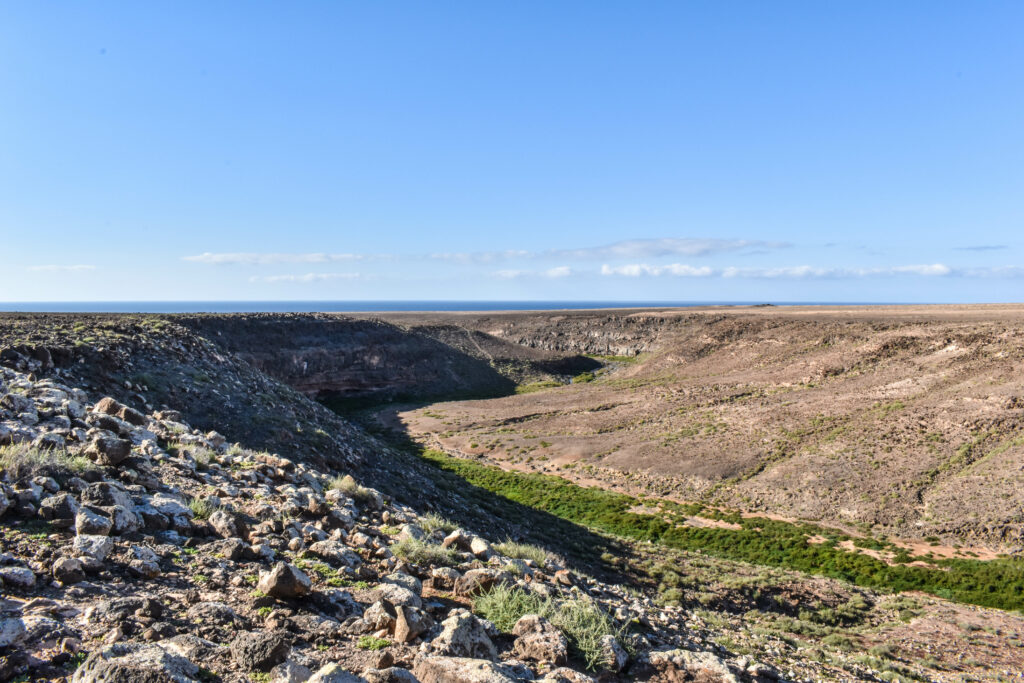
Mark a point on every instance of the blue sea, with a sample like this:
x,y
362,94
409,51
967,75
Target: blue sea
x,y
362,306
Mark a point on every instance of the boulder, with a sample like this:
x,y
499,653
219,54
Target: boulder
x,y
284,581
68,570
333,673
539,641
60,509
109,450
613,655
19,578
132,663
97,547
227,525
290,672
259,650
463,635
335,553
390,675
12,632
88,522
461,670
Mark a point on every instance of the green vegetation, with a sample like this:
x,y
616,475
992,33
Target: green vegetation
x,y
995,583
523,551
581,621
537,386
201,508
432,522
24,460
583,378
613,359
351,488
372,643
421,552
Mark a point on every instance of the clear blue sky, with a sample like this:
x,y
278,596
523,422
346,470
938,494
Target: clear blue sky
x,y
867,151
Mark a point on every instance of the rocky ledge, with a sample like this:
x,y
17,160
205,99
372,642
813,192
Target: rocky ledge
x,y
136,548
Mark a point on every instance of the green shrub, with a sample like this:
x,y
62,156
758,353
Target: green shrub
x,y
23,460
372,643
505,605
432,522
201,508
523,551
351,488
421,552
581,621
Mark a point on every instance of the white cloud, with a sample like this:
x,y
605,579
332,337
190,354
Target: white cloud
x,y
638,269
665,246
308,277
928,270
481,256
559,272
263,259
789,272
61,269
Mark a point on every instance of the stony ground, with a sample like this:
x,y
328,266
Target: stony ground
x,y
884,418
134,547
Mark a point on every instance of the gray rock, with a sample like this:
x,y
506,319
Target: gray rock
x,y
333,673
461,670
336,553
390,675
398,595
106,494
290,672
463,635
227,525
60,509
216,613
131,663
285,581
259,650
539,641
18,578
404,580
109,451
68,570
12,632
90,523
97,547
613,655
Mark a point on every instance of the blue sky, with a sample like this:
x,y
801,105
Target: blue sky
x,y
783,151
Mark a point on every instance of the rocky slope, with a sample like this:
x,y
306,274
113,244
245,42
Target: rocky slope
x,y
881,418
137,548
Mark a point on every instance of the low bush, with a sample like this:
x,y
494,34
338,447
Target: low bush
x,y
24,460
422,552
582,622
523,551
432,522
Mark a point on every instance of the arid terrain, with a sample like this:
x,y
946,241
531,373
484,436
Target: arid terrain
x,y
903,420
751,494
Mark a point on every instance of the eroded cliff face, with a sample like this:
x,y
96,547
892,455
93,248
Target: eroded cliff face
x,y
557,334
328,356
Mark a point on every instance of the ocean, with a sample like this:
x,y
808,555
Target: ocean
x,y
360,306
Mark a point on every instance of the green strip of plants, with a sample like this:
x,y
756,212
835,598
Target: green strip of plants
x,y
993,583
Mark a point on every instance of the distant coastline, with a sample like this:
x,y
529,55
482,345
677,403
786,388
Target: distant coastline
x,y
372,306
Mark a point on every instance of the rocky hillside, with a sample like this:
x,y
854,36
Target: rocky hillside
x,y
169,512
137,548
884,419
